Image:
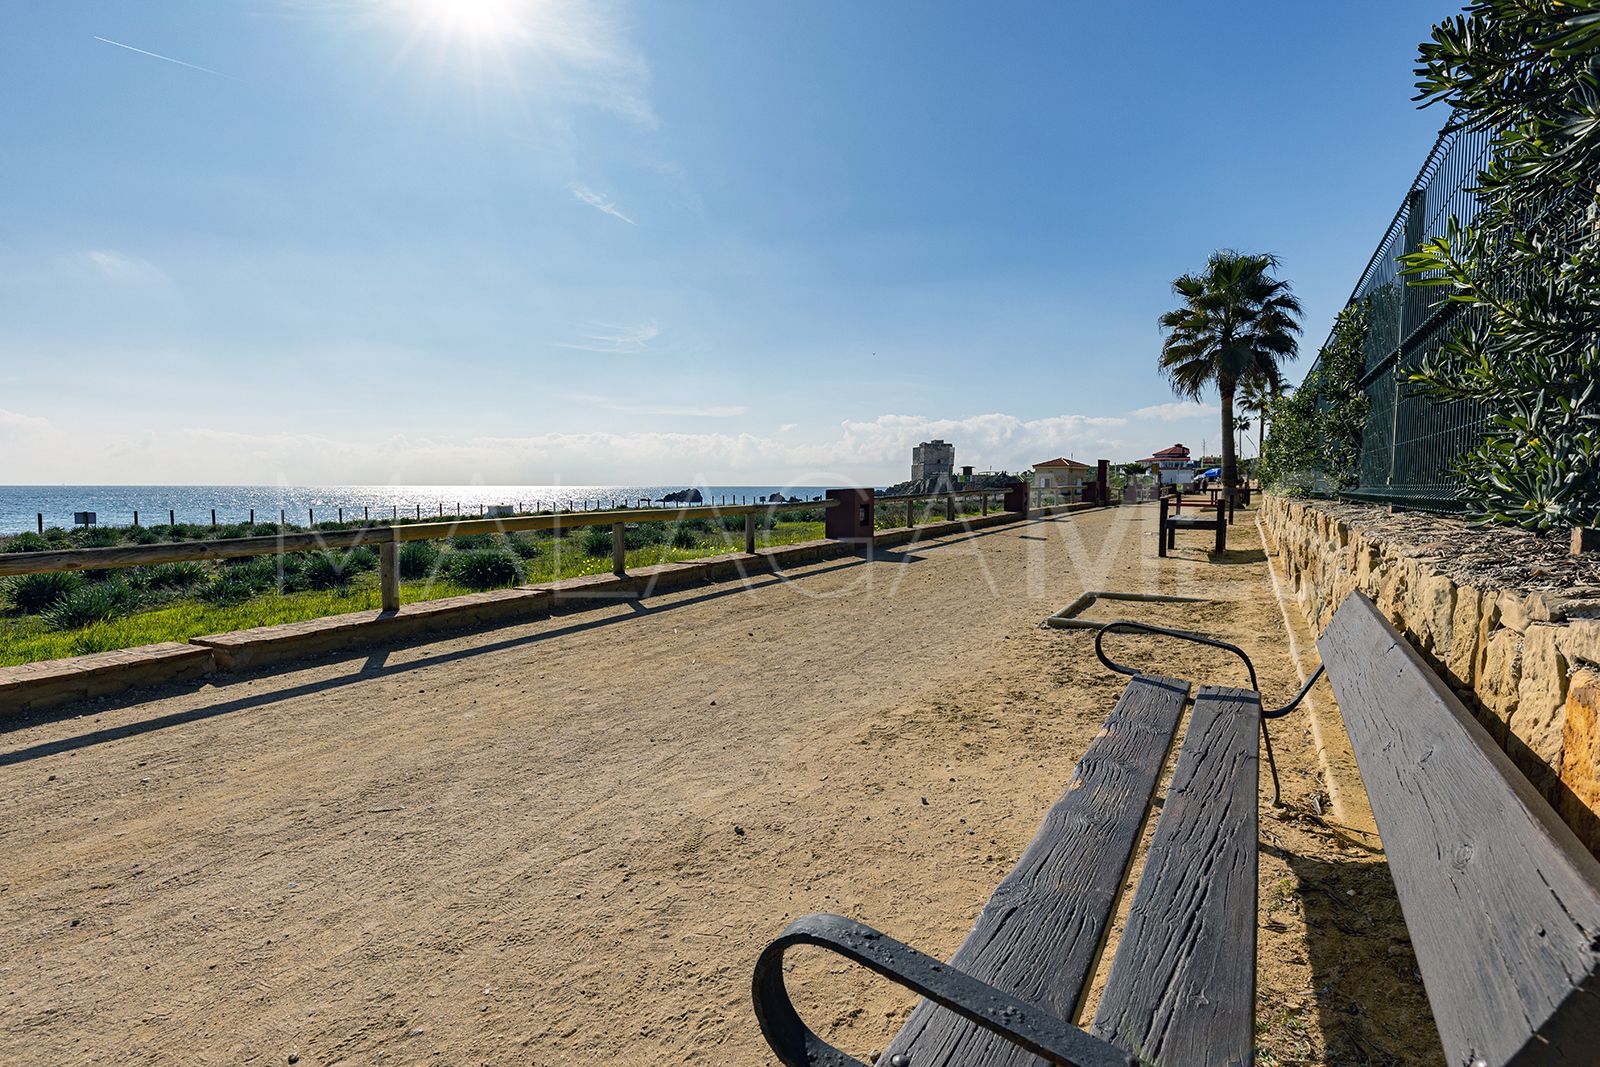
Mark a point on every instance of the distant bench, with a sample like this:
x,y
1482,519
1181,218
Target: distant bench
x,y
1171,521
1502,901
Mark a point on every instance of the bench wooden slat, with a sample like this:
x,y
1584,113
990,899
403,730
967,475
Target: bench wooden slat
x,y
1502,901
1181,992
1042,932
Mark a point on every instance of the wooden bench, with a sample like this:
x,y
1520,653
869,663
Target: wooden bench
x,y
1170,524
1502,900
1181,989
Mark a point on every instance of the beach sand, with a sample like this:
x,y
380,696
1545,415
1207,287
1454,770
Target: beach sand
x,y
567,841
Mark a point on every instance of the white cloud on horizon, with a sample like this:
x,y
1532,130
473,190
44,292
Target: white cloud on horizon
x,y
600,202
865,451
1177,411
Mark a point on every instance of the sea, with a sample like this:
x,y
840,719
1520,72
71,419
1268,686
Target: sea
x,y
114,505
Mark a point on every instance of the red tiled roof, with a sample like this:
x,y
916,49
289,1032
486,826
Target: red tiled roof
x,y
1060,462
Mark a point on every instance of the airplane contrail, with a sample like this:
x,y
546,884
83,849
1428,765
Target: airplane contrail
x,y
157,55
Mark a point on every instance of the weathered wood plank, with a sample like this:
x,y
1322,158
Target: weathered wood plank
x,y
1502,901
1181,992
1042,932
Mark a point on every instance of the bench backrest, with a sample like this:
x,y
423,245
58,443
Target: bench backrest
x,y
1501,899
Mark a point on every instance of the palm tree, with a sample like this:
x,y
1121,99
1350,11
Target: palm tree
x,y
1257,395
1236,322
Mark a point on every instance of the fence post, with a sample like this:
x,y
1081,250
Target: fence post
x,y
909,521
619,550
172,518
252,516
750,534
950,508
985,498
136,518
213,518
389,571
41,522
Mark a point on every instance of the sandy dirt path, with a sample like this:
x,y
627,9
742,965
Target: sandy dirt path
x,y
566,842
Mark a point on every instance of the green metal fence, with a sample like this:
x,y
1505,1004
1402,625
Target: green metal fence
x,y
1411,443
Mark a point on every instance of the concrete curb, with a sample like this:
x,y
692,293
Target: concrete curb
x,y
54,683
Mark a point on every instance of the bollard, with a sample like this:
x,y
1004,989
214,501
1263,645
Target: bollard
x,y
619,550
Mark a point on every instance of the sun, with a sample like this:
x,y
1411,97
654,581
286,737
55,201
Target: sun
x,y
477,20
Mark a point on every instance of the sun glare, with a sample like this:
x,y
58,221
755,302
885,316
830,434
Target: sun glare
x,y
480,20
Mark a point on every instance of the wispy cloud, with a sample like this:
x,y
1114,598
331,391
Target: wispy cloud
x,y
1176,411
713,411
600,202
164,59
118,267
621,340
14,425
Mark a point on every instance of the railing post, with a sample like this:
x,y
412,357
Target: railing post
x,y
619,549
985,498
389,572
750,533
910,522
950,508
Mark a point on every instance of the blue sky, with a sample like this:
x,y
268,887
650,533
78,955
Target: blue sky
x,y
533,241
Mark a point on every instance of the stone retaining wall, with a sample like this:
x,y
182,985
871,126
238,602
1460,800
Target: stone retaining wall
x,y
1526,662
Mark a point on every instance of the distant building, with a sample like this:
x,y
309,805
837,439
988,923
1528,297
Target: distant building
x,y
933,461
1061,473
1172,466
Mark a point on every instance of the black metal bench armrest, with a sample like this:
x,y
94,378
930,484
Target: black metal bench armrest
x,y
1022,1024
1129,626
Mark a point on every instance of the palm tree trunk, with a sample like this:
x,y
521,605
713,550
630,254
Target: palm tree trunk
x,y
1230,471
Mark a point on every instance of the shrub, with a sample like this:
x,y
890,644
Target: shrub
x,y
596,541
230,589
179,575
329,570
102,537
683,537
34,593
471,541
525,546
484,568
27,542
418,559
92,603
143,535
